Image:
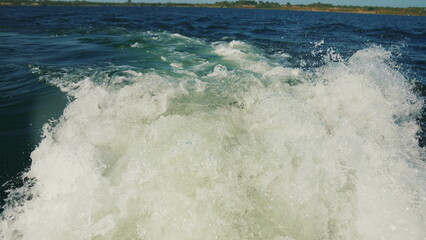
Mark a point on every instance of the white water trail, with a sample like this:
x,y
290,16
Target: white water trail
x,y
261,158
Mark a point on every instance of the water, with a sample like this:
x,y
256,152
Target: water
x,y
190,123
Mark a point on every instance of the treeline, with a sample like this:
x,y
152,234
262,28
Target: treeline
x,y
324,7
260,4
321,7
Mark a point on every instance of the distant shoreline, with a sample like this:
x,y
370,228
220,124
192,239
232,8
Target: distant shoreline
x,y
315,7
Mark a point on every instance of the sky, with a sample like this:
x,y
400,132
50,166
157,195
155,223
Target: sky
x,y
385,3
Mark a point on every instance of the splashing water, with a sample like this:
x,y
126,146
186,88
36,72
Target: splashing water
x,y
227,146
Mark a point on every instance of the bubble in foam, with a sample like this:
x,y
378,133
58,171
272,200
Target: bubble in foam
x,y
167,158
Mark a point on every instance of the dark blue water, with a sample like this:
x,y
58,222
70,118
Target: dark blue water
x,y
41,45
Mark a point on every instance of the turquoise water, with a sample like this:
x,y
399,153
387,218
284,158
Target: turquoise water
x,y
176,123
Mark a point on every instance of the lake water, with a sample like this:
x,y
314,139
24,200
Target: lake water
x,y
197,123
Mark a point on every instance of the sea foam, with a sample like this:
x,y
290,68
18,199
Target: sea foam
x,y
241,148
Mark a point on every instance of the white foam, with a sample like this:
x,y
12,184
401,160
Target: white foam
x,y
243,55
176,65
160,159
135,45
219,71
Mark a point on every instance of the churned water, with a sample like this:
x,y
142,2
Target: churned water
x,y
186,123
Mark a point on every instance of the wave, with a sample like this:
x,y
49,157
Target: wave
x,y
225,143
